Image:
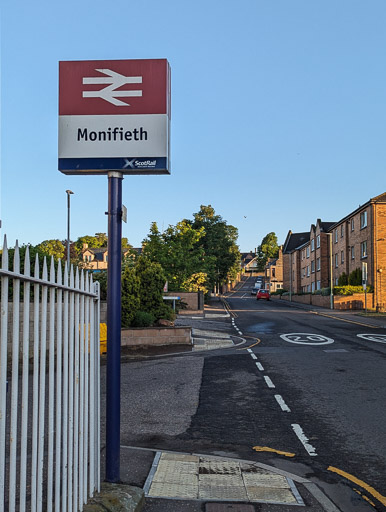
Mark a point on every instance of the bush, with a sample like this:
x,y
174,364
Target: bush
x,y
343,279
323,291
281,291
355,278
142,319
350,290
129,296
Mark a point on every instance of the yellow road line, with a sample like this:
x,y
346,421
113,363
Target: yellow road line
x,y
267,449
368,488
344,320
250,346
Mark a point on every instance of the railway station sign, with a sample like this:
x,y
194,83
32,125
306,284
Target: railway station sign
x,y
114,116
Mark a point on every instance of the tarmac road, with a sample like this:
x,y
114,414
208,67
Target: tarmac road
x,y
222,403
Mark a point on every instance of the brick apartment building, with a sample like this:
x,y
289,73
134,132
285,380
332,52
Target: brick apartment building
x,y
273,272
358,238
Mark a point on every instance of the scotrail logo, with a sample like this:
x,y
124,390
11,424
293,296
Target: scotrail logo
x,y
138,164
110,93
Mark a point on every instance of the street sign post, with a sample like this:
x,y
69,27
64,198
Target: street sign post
x,y
114,119
364,282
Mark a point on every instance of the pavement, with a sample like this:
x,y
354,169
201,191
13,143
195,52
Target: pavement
x,y
182,481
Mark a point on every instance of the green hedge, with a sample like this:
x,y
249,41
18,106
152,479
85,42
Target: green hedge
x,y
350,290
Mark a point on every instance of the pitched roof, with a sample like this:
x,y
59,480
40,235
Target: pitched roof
x,y
295,240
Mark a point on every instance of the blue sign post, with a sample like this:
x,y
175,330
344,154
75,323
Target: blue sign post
x,y
113,375
114,119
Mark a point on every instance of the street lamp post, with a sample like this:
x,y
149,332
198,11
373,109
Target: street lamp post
x,y
331,274
68,192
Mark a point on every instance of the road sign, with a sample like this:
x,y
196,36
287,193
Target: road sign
x,y
114,116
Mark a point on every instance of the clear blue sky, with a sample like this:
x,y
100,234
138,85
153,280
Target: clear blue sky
x,y
278,112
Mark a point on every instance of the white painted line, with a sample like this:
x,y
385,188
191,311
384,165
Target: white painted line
x,y
253,356
283,405
249,350
260,367
304,439
270,384
241,333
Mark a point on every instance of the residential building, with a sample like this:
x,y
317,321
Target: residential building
x,y
359,238
273,272
97,259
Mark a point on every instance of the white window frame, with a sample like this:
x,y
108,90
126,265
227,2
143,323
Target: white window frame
x,y
352,224
313,266
312,245
352,252
336,235
318,264
318,241
308,251
342,256
364,249
364,219
336,260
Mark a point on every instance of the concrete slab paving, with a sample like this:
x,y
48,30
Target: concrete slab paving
x,y
192,477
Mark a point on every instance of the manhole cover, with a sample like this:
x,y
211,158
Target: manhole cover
x,y
224,507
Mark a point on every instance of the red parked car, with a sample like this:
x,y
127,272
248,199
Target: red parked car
x,y
263,294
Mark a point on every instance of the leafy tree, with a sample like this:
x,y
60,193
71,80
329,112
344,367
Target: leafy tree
x,y
130,296
176,251
152,279
54,248
196,283
267,249
221,254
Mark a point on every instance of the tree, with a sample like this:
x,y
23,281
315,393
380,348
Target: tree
x,y
130,295
151,282
176,251
221,254
267,249
54,248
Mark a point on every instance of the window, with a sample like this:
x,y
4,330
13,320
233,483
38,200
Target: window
x,y
318,285
342,231
364,219
336,260
336,281
341,256
352,224
312,266
312,287
352,252
318,241
279,285
313,245
308,270
336,235
273,272
308,288
364,249
308,251
318,264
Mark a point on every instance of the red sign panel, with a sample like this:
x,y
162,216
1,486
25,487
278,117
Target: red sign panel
x,y
114,87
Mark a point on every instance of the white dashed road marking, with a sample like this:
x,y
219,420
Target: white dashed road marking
x,y
260,367
304,439
283,405
270,384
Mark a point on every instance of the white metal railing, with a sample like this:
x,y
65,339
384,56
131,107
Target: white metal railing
x,y
50,409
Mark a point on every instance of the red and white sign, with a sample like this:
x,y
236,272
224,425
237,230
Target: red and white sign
x,y
114,115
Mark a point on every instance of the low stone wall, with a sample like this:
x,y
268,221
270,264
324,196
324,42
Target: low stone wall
x,y
194,300
156,336
355,301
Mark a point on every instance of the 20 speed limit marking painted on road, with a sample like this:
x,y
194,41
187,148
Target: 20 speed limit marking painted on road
x,y
378,338
305,338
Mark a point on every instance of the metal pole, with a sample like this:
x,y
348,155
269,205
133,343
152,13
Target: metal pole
x,y
113,380
68,192
331,276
